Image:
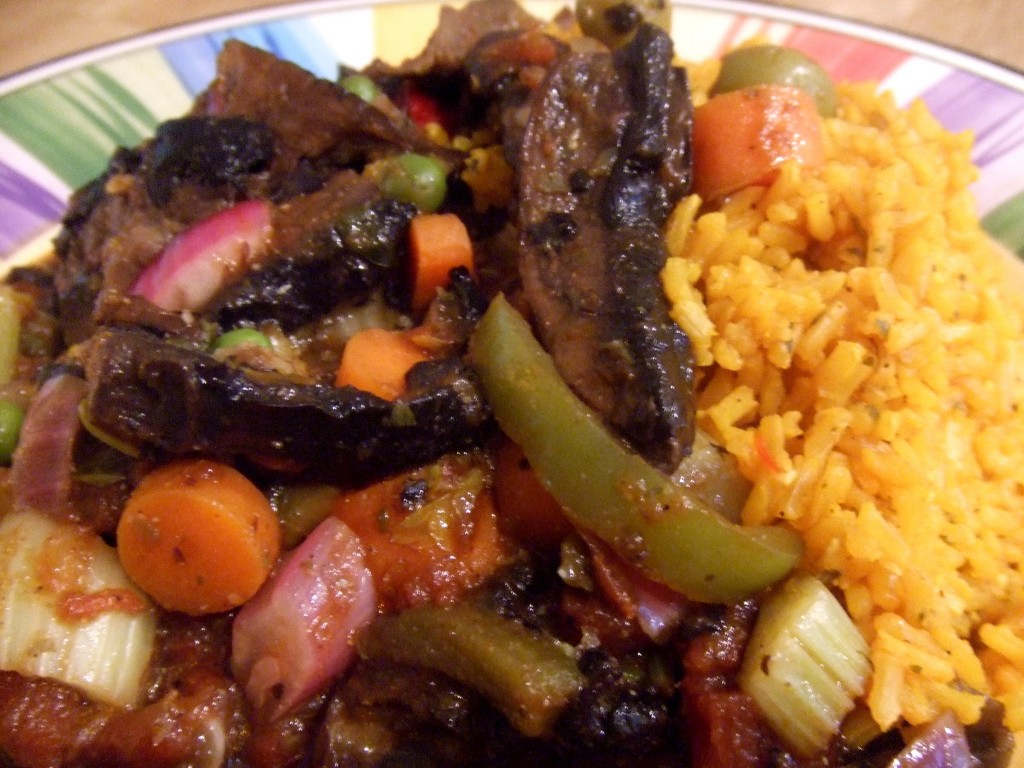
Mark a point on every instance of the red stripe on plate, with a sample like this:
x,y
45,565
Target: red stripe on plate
x,y
739,32
846,58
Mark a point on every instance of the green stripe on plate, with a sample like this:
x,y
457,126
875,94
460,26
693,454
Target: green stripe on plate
x,y
73,123
1006,224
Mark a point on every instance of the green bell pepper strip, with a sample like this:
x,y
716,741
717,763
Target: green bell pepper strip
x,y
528,676
669,534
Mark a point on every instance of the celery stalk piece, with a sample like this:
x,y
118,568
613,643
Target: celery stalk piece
x,y
671,534
10,329
528,676
805,665
68,611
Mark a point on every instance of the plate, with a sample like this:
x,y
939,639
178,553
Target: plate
x,y
60,122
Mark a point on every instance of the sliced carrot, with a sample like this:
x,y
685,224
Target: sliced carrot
x,y
430,535
525,507
438,243
198,537
741,138
376,361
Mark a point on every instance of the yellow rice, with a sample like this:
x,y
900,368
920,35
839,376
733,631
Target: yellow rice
x,y
861,352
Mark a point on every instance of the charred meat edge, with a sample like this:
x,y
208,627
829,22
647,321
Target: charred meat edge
x,y
605,155
174,400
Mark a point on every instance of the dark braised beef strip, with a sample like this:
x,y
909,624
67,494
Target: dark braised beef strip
x,y
358,252
504,70
309,116
605,155
177,400
115,225
87,252
209,150
457,31
653,167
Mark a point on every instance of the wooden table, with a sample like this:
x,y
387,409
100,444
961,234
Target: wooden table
x,y
33,31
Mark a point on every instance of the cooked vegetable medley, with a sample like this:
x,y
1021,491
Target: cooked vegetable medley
x,y
350,425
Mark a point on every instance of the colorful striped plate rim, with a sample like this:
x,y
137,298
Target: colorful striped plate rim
x,y
59,122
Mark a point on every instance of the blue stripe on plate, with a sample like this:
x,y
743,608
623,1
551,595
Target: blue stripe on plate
x,y
194,60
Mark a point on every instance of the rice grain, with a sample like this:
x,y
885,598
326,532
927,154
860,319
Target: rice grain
x,y
861,355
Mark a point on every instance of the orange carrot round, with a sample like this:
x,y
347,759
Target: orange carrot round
x,y
741,138
438,243
198,537
376,361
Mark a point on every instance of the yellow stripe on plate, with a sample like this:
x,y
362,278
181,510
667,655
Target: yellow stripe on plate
x,y
401,31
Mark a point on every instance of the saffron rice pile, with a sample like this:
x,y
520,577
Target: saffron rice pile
x,y
862,353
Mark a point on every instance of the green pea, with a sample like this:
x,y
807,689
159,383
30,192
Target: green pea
x,y
764,64
415,179
361,86
11,417
240,336
613,22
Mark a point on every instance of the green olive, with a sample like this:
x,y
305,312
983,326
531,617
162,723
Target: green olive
x,y
613,22
361,86
11,417
416,179
763,64
239,337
